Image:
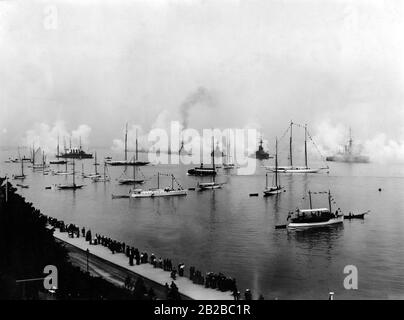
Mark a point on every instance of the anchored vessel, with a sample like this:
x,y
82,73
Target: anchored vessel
x,y
21,176
307,218
204,171
261,154
95,174
349,154
104,178
126,162
292,168
72,186
58,161
276,188
131,181
160,192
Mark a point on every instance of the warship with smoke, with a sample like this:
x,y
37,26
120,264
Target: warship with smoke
x,y
349,153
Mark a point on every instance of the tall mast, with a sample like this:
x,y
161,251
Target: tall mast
x,y
136,146
74,174
266,180
350,139
57,151
105,174
158,180
276,161
33,153
305,145
213,152
290,144
95,163
329,200
126,142
311,207
134,174
172,182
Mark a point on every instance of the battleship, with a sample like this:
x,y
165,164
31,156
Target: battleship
x,y
349,154
261,154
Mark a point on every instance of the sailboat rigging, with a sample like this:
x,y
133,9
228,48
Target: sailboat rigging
x,y
21,176
213,184
161,192
295,169
72,186
277,188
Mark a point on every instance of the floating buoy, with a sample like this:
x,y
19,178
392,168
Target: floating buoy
x,y
380,189
253,194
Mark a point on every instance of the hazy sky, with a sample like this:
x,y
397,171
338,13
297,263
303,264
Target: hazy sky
x,y
330,63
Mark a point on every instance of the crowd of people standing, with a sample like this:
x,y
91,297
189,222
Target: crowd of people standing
x,y
209,280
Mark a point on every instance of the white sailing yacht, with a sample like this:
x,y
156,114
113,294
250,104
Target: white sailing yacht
x,y
277,188
292,168
160,192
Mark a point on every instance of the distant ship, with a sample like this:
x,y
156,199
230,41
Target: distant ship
x,y
349,154
75,153
261,154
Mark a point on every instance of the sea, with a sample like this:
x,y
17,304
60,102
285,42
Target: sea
x,y
229,231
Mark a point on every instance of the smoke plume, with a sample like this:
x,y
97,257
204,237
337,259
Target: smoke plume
x,y
200,97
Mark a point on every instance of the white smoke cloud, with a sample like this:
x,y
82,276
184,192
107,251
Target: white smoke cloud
x,y
46,136
380,148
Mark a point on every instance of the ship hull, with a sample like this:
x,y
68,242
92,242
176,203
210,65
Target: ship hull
x,y
302,225
158,193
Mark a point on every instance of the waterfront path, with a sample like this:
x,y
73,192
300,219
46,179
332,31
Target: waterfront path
x,y
186,287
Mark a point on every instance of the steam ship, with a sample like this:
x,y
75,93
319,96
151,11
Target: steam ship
x,y
349,154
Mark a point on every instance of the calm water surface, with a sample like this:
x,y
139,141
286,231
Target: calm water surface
x,y
228,231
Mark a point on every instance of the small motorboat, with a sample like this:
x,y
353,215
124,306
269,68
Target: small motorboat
x,y
351,215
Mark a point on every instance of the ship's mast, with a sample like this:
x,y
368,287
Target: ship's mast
x,y
305,145
350,139
276,161
74,174
95,163
266,180
290,144
126,142
213,152
329,200
57,149
311,206
136,147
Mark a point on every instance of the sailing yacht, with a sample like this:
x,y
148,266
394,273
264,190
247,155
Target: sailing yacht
x,y
213,184
132,180
72,186
21,176
95,174
126,162
103,178
58,161
160,192
315,217
228,164
292,168
277,188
